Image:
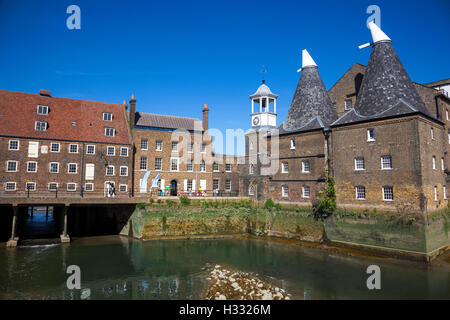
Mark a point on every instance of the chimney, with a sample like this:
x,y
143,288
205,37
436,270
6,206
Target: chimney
x,y
125,105
45,93
132,117
205,117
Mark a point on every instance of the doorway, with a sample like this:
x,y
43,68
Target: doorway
x,y
173,187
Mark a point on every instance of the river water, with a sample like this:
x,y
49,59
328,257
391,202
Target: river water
x,y
115,267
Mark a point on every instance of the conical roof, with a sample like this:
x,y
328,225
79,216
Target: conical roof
x,y
311,107
385,81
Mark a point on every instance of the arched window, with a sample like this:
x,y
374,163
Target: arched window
x,y
251,170
251,190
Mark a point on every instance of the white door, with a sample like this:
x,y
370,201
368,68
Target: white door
x,y
90,171
203,184
33,149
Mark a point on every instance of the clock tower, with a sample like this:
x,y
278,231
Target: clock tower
x,y
264,108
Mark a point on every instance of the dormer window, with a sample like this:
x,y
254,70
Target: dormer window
x,y
107,116
348,104
42,110
370,135
292,144
110,132
40,126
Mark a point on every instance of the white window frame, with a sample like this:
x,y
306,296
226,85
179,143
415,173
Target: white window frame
x,y
113,170
346,108
218,184
70,148
29,182
50,167
108,116
12,161
433,159
384,193
285,191
382,163
39,123
189,165
55,183
284,167
9,145
90,184
110,130
160,167
356,164
174,146
251,190
226,167
432,133
71,183
87,149
178,164
304,188
202,166
121,152
304,169
76,168
226,182
28,164
56,144
360,191
435,193
157,144
251,169
111,148
123,185
43,108
442,164
369,138
214,169
123,175
140,163
144,144
190,148
292,144
446,114
10,182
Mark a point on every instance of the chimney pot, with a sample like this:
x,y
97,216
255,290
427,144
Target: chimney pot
x,y
45,93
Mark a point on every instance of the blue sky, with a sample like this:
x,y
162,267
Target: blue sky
x,y
177,55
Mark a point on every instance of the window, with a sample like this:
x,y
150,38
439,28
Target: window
x,y
432,134
251,170
388,193
11,166
442,164
284,167
31,166
189,166
435,193
124,171
111,151
72,168
202,166
158,163
203,150
109,170
174,164
190,147
434,162
71,186
284,191
54,167
215,184
292,144
124,152
174,146
13,145
251,191
348,104
10,186
444,192
53,186
30,186
107,116
41,126
110,132
359,164
123,188
73,148
215,167
159,145
446,114
305,166
189,184
143,163
90,149
448,138
144,144
305,192
386,162
228,185
370,135
360,193
42,110
89,187
228,167
54,147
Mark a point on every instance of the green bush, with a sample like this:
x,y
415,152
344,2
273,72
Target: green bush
x,y
278,207
170,203
326,204
185,201
141,205
269,204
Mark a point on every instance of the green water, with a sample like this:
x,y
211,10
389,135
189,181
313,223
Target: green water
x,y
119,268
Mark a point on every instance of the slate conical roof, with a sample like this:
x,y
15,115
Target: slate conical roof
x,y
311,107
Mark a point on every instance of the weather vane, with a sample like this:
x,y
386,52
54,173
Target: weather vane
x,y
263,71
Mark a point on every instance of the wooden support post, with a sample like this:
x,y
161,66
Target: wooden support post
x,y
14,239
64,236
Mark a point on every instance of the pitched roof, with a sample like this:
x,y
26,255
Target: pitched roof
x,y
18,114
438,83
311,101
168,122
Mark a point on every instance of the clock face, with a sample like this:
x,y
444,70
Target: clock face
x,y
255,121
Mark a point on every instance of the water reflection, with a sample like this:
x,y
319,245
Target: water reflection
x,y
117,268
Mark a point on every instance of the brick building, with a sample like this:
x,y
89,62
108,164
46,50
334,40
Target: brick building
x,y
51,145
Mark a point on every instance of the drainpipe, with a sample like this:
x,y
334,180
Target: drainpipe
x,y
82,172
